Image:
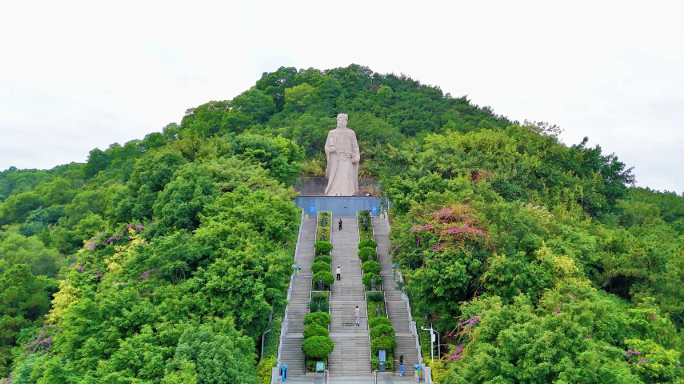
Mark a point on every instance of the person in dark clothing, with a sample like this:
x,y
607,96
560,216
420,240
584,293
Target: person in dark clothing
x,y
340,224
401,365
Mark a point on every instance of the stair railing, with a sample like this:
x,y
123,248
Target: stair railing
x,y
284,325
405,298
370,349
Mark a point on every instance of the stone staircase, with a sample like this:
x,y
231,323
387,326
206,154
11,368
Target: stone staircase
x,y
350,360
298,307
396,307
351,356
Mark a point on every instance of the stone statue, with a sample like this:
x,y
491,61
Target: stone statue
x,y
342,151
320,284
373,283
377,311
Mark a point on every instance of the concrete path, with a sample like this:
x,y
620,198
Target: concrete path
x,y
350,361
292,355
351,356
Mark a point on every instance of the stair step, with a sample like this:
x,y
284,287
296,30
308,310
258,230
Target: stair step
x,y
352,350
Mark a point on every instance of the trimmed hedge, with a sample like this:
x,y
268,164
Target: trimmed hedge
x,y
320,266
315,330
383,342
326,276
320,318
381,330
375,296
325,232
378,321
366,279
368,243
322,247
318,347
371,266
325,258
264,369
367,253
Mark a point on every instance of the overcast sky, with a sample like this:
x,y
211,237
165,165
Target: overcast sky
x,y
80,75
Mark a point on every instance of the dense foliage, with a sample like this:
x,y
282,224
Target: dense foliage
x,y
170,256
533,270
146,264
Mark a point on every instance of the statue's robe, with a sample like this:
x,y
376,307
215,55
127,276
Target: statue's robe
x,y
341,172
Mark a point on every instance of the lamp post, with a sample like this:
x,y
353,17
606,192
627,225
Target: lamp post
x,y
432,341
262,342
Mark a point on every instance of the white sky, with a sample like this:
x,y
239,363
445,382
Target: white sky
x,y
80,75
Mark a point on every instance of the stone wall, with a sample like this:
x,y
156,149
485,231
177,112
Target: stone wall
x,y
346,206
315,186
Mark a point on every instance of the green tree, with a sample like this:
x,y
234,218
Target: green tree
x,y
17,207
58,192
223,357
16,249
25,299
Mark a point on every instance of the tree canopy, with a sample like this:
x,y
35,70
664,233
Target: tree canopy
x,y
164,260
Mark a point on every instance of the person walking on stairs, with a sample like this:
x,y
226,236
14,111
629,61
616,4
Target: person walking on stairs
x,y
357,313
340,224
401,365
338,273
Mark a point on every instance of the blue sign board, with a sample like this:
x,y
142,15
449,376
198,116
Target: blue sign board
x,y
382,355
374,209
320,366
312,209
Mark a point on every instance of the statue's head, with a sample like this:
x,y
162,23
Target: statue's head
x,y
342,119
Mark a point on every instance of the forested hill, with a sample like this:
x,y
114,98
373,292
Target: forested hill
x,y
162,260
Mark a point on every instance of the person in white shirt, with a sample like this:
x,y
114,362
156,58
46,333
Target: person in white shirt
x,y
357,313
338,272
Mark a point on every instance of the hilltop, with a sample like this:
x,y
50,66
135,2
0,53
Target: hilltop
x,y
162,260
